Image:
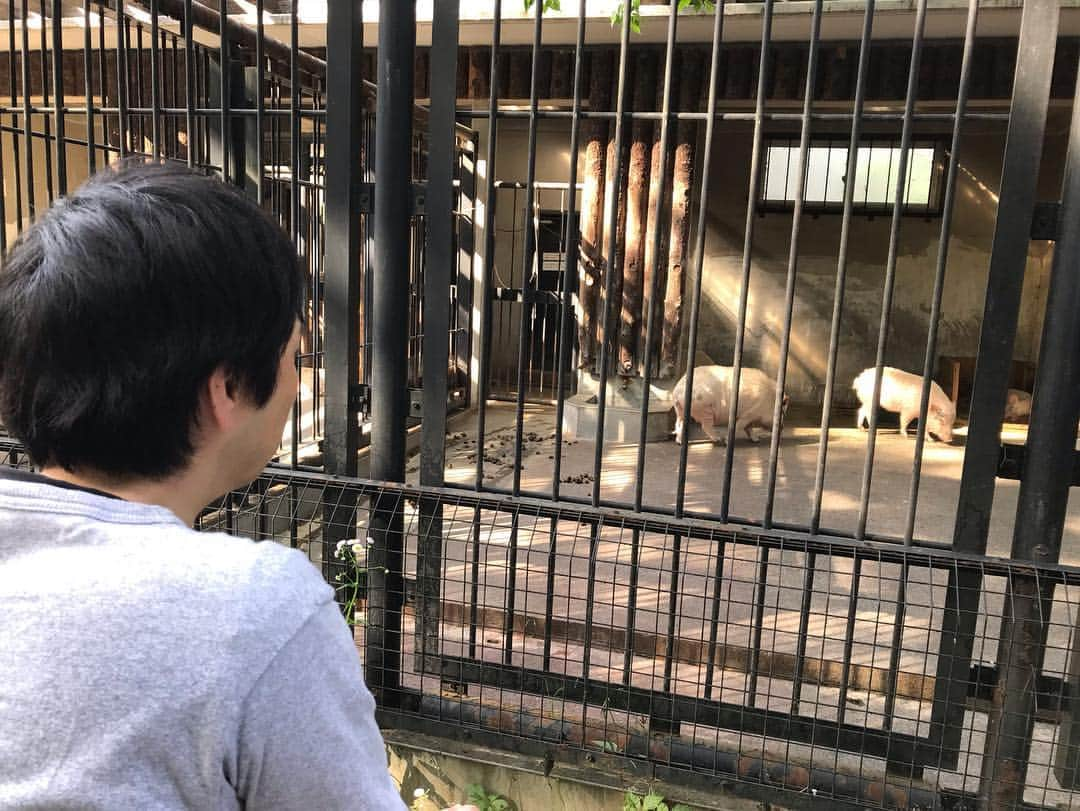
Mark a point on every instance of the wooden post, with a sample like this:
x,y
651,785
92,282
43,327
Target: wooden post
x,y
595,135
636,197
655,219
678,241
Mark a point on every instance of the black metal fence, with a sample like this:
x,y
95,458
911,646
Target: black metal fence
x,y
860,620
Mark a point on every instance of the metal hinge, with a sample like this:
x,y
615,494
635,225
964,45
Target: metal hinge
x,y
1046,220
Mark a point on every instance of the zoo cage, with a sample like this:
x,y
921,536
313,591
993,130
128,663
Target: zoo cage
x,y
539,579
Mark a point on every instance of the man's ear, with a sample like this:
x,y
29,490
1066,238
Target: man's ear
x,y
220,400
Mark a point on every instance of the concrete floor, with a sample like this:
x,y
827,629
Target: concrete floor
x,y
796,467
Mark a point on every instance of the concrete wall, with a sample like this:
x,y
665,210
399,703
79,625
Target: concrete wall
x,y
978,184
965,282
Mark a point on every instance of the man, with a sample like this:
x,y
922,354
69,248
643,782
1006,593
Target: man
x,y
148,333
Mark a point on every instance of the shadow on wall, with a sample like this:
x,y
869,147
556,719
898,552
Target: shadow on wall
x,y
965,281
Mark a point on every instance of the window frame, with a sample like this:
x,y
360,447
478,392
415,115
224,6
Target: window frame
x,y
937,176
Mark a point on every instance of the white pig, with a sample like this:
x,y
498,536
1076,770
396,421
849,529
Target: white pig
x,y
900,392
712,401
1017,405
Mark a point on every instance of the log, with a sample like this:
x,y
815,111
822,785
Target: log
x,y
679,234
594,136
637,178
653,222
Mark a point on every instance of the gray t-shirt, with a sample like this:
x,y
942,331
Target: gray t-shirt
x,y
145,665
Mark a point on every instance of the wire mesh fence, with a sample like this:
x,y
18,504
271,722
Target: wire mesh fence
x,y
793,662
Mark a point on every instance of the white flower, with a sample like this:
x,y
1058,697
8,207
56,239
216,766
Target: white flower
x,y
358,550
420,792
339,550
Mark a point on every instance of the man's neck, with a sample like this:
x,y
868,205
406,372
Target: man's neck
x,y
179,493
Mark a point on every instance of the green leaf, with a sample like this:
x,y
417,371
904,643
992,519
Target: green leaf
x,y
476,793
653,802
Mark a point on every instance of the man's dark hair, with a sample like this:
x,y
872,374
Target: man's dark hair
x,y
118,304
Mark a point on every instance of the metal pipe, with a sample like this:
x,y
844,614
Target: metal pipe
x,y
612,253
654,281
570,269
389,382
841,262
747,259
529,271
792,268
58,95
890,264
438,272
1008,257
489,245
1042,502
699,245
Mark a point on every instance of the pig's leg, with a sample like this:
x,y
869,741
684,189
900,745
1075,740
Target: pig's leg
x,y
748,427
862,417
708,423
905,421
680,423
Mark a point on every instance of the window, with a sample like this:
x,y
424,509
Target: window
x,y
877,169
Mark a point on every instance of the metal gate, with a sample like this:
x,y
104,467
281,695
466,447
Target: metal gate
x,y
631,610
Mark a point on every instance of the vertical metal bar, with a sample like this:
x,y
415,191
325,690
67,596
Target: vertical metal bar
x,y
1042,502
714,621
28,128
590,599
549,590
931,355
1008,257
760,583
122,76
172,127
654,282
810,559
510,589
673,610
225,90
841,262
474,583
88,84
294,181
140,118
260,107
890,263
699,249
155,83
439,225
58,95
189,81
849,638
792,269
610,269
103,74
389,392
631,604
489,244
342,247
529,274
16,165
748,247
46,126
